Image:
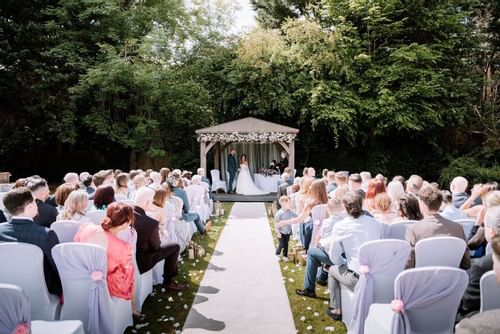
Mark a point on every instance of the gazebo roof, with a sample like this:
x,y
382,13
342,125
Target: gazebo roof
x,y
247,125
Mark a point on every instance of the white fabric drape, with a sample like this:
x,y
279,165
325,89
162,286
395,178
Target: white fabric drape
x,y
258,155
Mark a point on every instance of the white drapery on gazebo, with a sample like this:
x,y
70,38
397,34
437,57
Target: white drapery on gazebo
x,y
247,130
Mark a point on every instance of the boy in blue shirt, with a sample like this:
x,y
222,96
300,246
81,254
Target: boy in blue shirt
x,y
283,233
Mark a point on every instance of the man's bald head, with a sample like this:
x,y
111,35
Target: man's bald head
x,y
459,185
144,198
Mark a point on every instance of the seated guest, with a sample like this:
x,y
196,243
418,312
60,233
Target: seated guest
x,y
395,190
290,172
472,298
23,208
485,322
121,187
158,213
474,204
186,214
330,182
75,207
366,177
283,184
104,196
375,187
138,182
62,193
165,172
47,214
149,248
155,178
87,184
458,188
450,211
2,217
433,224
408,208
120,273
201,172
21,182
347,236
355,184
414,184
73,179
383,210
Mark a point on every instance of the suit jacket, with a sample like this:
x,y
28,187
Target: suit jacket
x,y
482,323
148,239
47,214
2,217
282,165
232,166
206,180
25,230
433,226
471,301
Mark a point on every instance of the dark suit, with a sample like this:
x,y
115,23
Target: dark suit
x,y
24,230
232,167
2,217
47,214
434,226
282,165
148,249
472,298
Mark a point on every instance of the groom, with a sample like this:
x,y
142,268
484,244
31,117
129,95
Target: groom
x,y
232,167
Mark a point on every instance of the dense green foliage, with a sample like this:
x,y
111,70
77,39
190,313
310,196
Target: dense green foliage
x,y
385,85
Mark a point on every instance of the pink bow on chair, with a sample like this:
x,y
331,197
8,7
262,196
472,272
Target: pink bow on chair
x,y
23,328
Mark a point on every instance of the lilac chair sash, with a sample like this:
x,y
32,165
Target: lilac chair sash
x,y
15,310
386,257
421,288
77,262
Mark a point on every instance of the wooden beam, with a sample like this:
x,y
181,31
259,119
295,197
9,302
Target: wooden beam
x,y
203,155
291,155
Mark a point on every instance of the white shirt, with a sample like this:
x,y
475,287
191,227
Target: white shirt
x,y
347,236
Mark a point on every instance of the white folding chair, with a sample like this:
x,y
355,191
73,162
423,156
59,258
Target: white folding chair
x,y
96,216
397,230
467,225
65,230
490,292
426,301
22,264
381,260
87,298
439,251
217,183
15,311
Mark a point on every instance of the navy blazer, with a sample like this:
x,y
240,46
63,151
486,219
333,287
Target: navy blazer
x,y
25,230
2,217
148,239
232,166
47,214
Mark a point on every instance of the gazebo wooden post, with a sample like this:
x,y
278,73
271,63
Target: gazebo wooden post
x,y
203,155
291,155
217,156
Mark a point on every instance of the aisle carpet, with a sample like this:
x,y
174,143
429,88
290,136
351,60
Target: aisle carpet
x,y
242,290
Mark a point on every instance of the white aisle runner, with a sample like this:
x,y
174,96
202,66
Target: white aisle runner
x,y
242,290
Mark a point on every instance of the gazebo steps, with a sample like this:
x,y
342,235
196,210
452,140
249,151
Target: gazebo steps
x,y
222,197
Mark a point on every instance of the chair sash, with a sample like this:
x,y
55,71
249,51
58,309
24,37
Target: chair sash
x,y
77,262
422,288
375,257
15,310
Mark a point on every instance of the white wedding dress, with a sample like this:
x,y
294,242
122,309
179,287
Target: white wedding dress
x,y
245,185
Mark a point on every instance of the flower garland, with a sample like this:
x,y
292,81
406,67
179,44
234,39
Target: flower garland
x,y
248,137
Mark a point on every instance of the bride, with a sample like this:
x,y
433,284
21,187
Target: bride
x,y
245,185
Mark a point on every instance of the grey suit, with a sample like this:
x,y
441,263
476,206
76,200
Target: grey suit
x,y
482,323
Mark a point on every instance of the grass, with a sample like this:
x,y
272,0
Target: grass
x,y
309,314
167,312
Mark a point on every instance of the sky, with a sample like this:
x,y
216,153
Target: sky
x,y
245,16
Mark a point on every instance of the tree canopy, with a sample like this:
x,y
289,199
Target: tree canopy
x,y
383,85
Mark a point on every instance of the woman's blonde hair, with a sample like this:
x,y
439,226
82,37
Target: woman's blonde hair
x,y
318,192
335,203
76,203
492,199
382,202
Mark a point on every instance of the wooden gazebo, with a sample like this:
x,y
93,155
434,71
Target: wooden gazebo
x,y
247,130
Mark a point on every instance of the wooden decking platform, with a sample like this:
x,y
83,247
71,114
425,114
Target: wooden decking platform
x,y
222,197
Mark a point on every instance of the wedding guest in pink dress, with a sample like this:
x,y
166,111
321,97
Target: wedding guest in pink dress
x,y
120,278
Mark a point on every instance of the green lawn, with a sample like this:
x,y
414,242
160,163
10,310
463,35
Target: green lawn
x,y
309,313
167,312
